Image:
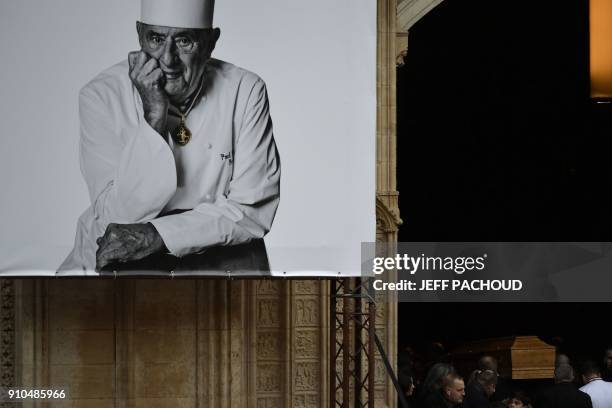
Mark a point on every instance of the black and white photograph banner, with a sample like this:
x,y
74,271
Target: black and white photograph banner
x,y
191,137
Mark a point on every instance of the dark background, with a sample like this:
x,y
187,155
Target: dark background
x,y
497,137
498,140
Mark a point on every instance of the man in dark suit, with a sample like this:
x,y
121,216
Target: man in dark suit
x,y
564,393
450,395
503,389
480,389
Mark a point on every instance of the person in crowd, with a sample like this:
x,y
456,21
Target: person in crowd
x,y
453,390
488,362
406,357
607,364
480,389
434,380
563,394
518,400
442,388
405,378
562,359
599,390
503,389
436,352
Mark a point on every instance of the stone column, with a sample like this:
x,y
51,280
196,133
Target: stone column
x,y
387,209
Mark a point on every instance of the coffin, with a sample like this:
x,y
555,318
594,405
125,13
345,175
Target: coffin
x,y
520,357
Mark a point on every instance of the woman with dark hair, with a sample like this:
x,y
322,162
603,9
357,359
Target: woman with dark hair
x,y
405,379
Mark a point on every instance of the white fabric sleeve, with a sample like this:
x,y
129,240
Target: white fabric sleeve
x,y
129,170
247,210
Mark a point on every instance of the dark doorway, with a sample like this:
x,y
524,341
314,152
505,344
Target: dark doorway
x,y
498,139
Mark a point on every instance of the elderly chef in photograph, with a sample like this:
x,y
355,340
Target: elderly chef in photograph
x,y
176,147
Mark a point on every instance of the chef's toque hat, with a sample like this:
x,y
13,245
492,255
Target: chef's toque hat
x,y
178,13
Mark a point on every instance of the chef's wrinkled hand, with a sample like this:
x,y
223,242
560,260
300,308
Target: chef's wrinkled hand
x,y
127,242
149,80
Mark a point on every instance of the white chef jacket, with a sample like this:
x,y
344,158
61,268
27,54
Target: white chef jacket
x,y
600,393
227,176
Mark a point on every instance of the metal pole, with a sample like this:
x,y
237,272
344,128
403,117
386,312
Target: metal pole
x,y
358,339
346,342
400,393
332,345
371,349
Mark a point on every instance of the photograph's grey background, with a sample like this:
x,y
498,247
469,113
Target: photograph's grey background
x,y
318,59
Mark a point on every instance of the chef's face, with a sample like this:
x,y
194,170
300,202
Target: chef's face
x,y
608,359
181,54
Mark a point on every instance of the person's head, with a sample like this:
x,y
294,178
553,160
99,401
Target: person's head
x,y
487,362
488,380
406,357
435,352
519,400
406,381
515,403
180,36
564,373
562,359
453,389
608,358
182,54
589,371
435,377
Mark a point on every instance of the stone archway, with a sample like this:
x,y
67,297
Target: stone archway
x,y
411,11
408,13
395,17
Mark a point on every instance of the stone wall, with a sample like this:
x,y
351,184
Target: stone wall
x,y
179,343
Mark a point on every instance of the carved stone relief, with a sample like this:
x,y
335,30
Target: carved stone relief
x,y
268,346
269,402
306,342
268,379
268,287
306,401
306,377
306,287
307,312
7,333
268,313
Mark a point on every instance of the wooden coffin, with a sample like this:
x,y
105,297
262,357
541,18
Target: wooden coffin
x,y
520,357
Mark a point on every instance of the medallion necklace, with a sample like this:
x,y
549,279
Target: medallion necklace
x,y
182,134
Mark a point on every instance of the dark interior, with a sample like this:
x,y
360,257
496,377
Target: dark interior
x,y
499,140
